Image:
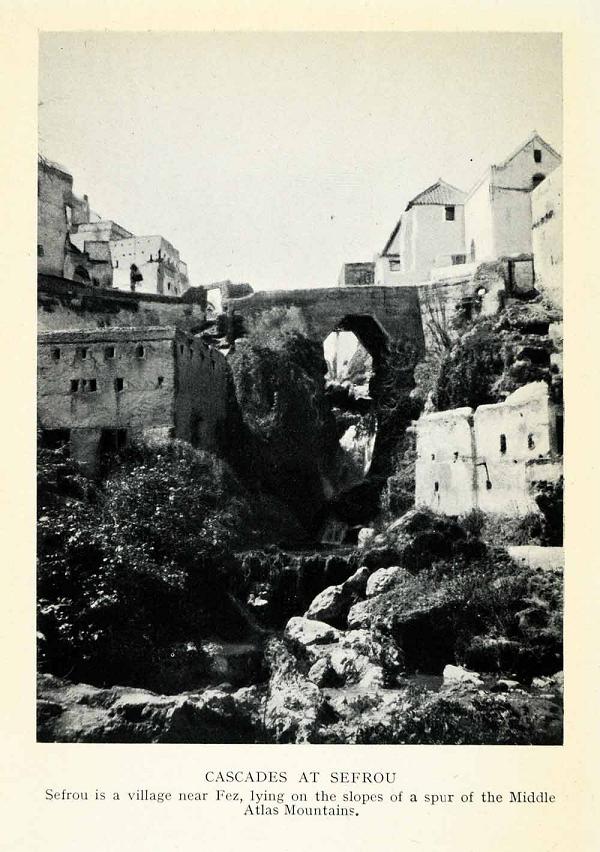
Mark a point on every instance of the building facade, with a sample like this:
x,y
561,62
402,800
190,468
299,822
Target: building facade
x,y
546,236
100,389
490,458
430,233
148,265
498,217
446,233
59,212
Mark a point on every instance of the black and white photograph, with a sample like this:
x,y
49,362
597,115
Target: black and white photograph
x,y
300,388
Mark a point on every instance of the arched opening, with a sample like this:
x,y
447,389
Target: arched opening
x,y
354,350
537,179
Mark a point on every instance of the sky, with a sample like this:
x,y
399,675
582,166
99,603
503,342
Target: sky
x,y
274,158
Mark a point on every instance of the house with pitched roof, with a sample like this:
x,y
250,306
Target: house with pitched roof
x,y
498,217
446,233
430,232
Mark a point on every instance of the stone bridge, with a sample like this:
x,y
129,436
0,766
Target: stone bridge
x,y
376,315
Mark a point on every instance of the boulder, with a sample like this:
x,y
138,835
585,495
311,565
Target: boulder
x,y
329,605
457,676
382,580
365,535
306,632
357,582
294,708
359,615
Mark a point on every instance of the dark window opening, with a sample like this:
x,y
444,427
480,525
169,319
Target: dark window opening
x,y
118,384
488,484
54,439
531,441
191,351
502,444
433,457
537,179
455,456
395,265
116,264
112,440
56,354
181,348
92,385
82,352
458,259
450,214
140,351
160,381
109,353
560,434
74,385
40,250
537,155
436,487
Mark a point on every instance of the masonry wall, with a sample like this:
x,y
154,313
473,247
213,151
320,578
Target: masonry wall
x,y
546,234
479,231
134,375
444,469
201,399
426,234
488,459
64,304
54,190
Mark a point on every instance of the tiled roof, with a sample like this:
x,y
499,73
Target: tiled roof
x,y
439,193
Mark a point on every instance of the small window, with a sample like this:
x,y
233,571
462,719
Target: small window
x,y
531,441
395,265
450,214
436,487
92,386
118,384
433,457
456,456
56,354
116,264
160,381
503,444
181,348
536,180
74,385
82,352
191,350
537,155
109,353
40,250
488,484
139,351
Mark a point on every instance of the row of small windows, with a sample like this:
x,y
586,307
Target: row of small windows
x,y
503,445
91,385
110,352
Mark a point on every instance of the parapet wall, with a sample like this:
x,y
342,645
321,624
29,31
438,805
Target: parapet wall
x,y
64,304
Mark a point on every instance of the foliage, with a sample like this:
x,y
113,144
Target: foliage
x,y
271,329
470,370
292,436
139,563
549,498
438,719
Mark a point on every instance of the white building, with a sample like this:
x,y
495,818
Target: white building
x,y
430,232
446,233
546,236
148,265
498,208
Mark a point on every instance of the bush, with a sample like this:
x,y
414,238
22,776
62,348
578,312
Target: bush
x,y
144,564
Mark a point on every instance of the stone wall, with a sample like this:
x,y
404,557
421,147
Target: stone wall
x,y
490,458
395,310
124,384
66,304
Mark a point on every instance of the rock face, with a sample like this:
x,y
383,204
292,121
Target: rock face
x,y
82,713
